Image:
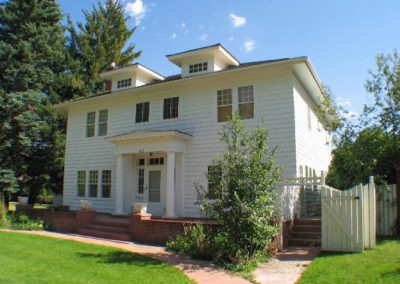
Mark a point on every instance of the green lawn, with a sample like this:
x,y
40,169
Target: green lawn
x,y
380,265
35,259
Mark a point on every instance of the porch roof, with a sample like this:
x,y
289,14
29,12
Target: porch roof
x,y
149,141
148,134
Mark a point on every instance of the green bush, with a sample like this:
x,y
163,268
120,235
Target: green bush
x,y
24,222
196,241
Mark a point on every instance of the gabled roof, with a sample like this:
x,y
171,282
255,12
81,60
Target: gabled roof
x,y
213,50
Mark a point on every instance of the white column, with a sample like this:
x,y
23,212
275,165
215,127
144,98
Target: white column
x,y
119,185
170,190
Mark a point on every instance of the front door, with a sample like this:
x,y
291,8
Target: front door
x,y
154,178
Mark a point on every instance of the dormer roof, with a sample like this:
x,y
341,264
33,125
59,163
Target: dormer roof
x,y
136,68
216,50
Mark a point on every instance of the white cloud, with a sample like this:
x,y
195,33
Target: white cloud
x,y
231,38
344,101
204,37
237,21
137,10
183,25
249,45
174,35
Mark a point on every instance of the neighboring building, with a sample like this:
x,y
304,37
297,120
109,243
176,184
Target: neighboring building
x,y
149,138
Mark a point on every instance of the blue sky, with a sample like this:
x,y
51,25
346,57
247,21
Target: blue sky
x,y
341,37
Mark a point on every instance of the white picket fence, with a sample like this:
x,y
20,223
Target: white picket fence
x,y
387,210
348,218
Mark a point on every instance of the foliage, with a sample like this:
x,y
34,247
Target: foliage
x,y
31,61
4,222
354,161
243,182
380,265
328,111
24,222
64,261
96,44
31,46
371,147
197,241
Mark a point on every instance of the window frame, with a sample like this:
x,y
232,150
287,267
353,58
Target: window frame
x,y
245,99
106,183
90,124
102,124
124,83
198,67
93,185
171,111
224,103
81,181
142,112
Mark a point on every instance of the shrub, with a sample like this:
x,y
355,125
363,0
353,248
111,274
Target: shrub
x,y
242,182
24,222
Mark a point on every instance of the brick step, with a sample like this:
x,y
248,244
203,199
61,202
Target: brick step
x,y
306,235
111,229
307,228
111,223
308,221
304,242
104,235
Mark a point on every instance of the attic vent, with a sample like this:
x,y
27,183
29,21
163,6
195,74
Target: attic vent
x,y
198,67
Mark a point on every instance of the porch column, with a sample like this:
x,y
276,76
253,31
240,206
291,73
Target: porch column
x,y
119,185
170,190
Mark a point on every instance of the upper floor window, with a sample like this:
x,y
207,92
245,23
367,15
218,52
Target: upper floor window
x,y
106,184
81,183
142,112
124,83
102,125
171,106
246,102
90,123
224,104
198,67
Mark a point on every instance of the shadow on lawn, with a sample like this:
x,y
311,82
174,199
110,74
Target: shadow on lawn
x,y
122,257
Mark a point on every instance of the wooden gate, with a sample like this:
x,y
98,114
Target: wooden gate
x,y
348,218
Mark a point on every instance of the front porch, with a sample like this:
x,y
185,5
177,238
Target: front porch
x,y
150,169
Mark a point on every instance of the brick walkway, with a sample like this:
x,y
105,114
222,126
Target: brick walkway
x,y
286,268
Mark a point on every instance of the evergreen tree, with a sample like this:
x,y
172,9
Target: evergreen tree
x,y
96,44
31,60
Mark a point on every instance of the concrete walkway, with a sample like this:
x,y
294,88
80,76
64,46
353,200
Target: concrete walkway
x,y
286,268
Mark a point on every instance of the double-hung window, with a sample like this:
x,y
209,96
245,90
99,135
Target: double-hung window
x,y
93,183
224,104
102,125
142,112
90,123
246,102
171,107
106,184
81,183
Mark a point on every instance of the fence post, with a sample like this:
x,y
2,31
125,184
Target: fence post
x,y
372,213
322,178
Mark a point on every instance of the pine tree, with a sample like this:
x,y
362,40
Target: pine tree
x,y
96,44
31,60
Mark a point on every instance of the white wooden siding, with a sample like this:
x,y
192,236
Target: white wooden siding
x,y
273,95
313,146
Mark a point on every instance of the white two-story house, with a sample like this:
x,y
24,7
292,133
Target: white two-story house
x,y
150,138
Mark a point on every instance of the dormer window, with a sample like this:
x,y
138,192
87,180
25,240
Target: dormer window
x,y
124,83
198,67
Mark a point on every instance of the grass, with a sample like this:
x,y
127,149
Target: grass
x,y
35,259
380,265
